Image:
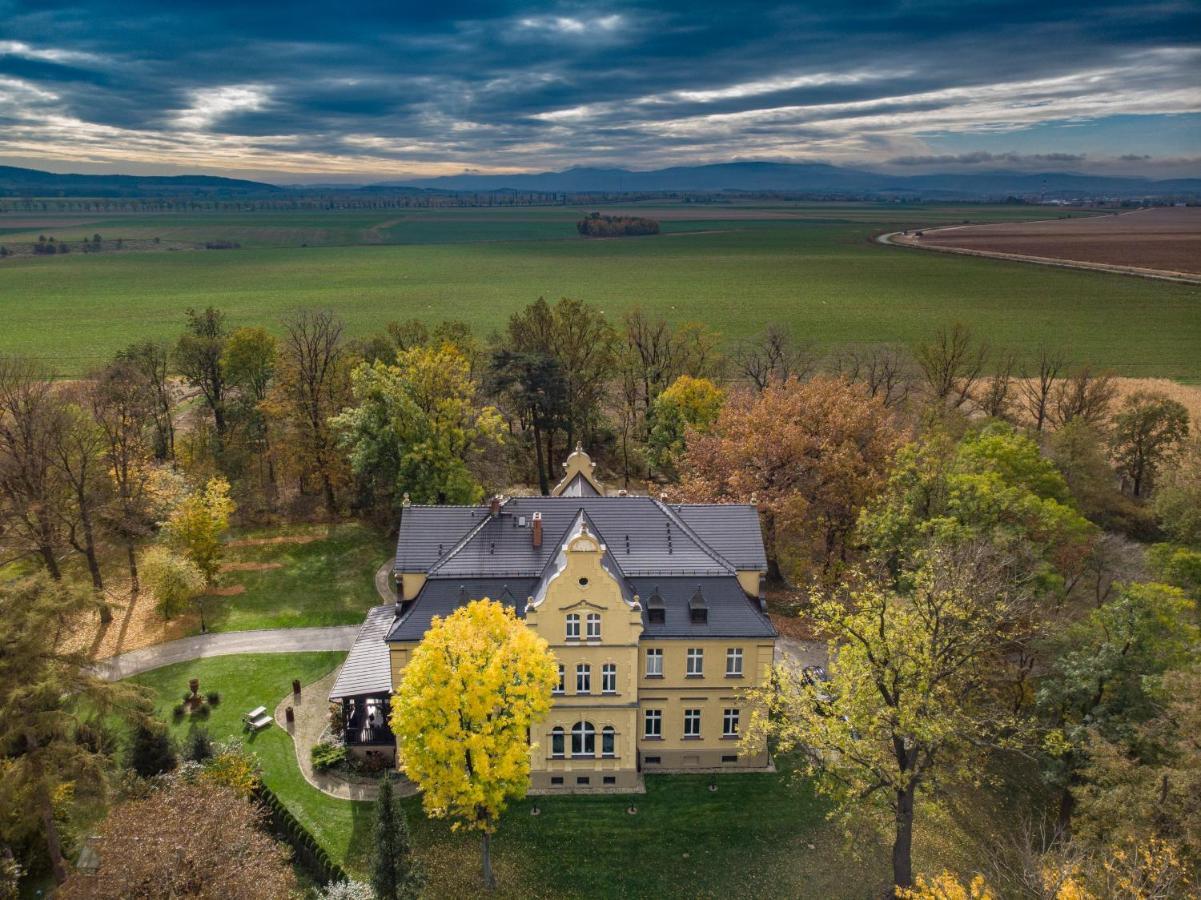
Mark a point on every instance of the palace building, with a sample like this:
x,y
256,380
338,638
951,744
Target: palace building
x,y
652,609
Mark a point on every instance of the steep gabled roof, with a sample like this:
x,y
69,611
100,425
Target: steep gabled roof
x,y
579,486
427,533
644,536
732,529
442,596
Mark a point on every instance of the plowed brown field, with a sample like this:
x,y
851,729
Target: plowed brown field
x,y
1165,239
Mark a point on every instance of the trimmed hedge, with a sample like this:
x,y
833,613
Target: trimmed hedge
x,y
310,855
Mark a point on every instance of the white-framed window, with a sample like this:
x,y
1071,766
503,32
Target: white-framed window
x,y
734,661
609,678
608,741
561,687
573,626
557,742
654,661
692,723
583,739
652,723
583,679
696,661
593,623
729,723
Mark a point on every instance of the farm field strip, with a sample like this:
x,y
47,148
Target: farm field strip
x,y
821,275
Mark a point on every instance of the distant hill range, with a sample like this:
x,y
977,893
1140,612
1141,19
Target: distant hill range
x,y
15,182
817,179
809,179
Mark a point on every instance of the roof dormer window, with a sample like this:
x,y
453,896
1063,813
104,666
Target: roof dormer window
x,y
656,609
698,609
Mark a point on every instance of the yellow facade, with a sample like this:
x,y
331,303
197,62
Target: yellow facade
x,y
598,736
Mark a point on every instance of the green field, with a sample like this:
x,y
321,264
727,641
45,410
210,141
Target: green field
x,y
737,268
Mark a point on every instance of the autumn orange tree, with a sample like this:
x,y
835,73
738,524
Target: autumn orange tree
x,y
812,453
186,840
476,683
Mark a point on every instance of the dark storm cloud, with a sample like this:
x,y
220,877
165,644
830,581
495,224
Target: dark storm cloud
x,y
532,85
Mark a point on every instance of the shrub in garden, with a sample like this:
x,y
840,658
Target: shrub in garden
x,y
213,698
199,748
235,768
151,752
326,756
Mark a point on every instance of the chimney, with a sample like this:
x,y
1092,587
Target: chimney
x,y
537,530
494,506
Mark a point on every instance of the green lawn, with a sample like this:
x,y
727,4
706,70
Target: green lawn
x,y
324,582
737,268
246,682
749,838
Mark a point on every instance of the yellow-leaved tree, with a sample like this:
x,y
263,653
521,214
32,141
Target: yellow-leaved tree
x,y
475,684
196,525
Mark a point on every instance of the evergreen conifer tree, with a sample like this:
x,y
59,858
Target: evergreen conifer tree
x,y
394,874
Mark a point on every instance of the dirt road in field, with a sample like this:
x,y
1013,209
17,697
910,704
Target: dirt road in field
x,y
1162,243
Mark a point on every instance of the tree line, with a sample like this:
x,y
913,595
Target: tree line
x,y
1004,552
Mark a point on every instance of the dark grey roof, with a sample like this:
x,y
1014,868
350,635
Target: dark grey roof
x,y
442,596
644,536
730,612
579,487
730,529
427,533
367,669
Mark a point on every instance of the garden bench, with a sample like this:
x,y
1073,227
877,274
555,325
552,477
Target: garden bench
x,y
257,718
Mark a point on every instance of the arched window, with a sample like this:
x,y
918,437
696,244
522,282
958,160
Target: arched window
x,y
608,741
573,626
583,739
593,626
556,741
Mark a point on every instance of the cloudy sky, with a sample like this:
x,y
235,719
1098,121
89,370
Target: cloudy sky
x,y
359,91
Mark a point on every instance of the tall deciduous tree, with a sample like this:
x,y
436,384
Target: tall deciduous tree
x,y
199,357
196,525
584,345
249,359
913,699
121,401
1103,667
812,453
30,484
44,693
688,403
416,426
313,386
1148,430
532,385
151,360
475,684
772,356
952,362
77,448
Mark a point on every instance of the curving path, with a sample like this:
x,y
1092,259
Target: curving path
x,y
226,643
899,239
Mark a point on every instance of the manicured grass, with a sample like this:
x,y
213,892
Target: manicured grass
x,y
816,270
323,582
246,682
749,838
